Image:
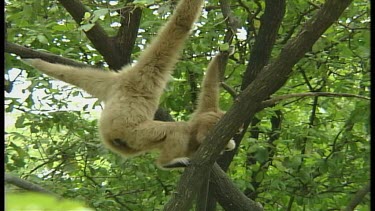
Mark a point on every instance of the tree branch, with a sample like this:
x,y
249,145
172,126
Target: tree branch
x,y
259,57
357,198
25,184
229,89
128,31
233,199
104,44
277,99
270,79
260,54
25,52
261,51
232,21
300,18
203,195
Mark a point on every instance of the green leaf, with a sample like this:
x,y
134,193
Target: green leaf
x,y
98,13
261,155
43,39
20,122
86,27
86,16
33,129
224,47
259,177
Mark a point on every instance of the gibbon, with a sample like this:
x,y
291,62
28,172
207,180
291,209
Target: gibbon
x,y
131,96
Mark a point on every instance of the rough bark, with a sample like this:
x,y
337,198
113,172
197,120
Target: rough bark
x,y
261,51
228,196
127,34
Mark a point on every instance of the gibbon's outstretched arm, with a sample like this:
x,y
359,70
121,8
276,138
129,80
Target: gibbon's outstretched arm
x,y
164,50
96,82
152,70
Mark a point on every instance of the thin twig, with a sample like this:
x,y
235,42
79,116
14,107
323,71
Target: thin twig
x,y
275,100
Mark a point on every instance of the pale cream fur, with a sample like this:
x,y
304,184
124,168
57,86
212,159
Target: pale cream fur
x,y
131,96
208,112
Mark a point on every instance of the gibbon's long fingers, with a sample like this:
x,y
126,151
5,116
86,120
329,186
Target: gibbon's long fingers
x,y
164,50
209,95
94,81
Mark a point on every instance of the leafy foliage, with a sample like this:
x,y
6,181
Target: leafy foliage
x,y
302,154
33,201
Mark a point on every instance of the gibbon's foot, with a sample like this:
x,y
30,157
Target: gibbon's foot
x,y
178,163
230,146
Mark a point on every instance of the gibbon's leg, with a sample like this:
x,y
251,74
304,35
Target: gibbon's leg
x,y
174,146
208,112
94,81
180,162
172,155
208,99
173,134
171,138
153,66
232,144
